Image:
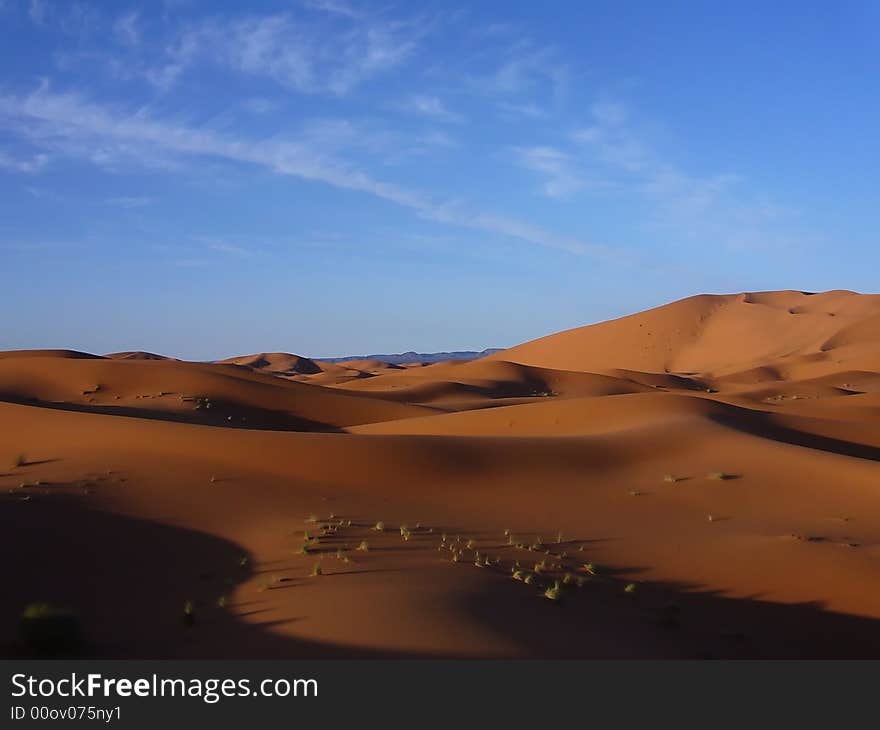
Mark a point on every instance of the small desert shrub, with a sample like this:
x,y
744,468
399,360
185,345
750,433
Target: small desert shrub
x,y
470,544
529,579
719,475
670,478
518,575
189,613
379,526
540,567
50,631
316,570
363,547
554,593
304,549
19,460
630,588
243,561
222,602
567,578
559,537
591,569
213,479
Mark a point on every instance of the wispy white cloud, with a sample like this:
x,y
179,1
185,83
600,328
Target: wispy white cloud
x,y
614,141
260,105
555,166
129,201
229,248
530,110
330,51
34,163
71,124
430,106
38,12
438,138
713,207
126,29
294,52
526,71
334,7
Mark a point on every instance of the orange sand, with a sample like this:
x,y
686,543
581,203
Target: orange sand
x,y
147,481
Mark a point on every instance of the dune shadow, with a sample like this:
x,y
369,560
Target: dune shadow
x,y
127,580
664,620
223,415
763,425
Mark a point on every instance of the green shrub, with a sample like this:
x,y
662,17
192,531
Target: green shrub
x,y
189,613
554,593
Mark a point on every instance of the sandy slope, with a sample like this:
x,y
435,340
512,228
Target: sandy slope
x,y
135,498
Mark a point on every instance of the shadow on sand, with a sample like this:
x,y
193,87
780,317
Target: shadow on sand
x,y
128,579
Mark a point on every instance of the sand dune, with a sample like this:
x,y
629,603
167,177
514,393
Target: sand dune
x,y
715,462
714,334
221,394
136,355
276,363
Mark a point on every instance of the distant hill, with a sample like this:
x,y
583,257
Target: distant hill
x,y
407,357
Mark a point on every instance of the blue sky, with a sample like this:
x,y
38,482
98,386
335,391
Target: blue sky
x,y
334,177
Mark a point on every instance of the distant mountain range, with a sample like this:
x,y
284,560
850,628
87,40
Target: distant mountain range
x,y
406,357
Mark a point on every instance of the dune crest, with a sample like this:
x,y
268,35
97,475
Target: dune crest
x,y
713,334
